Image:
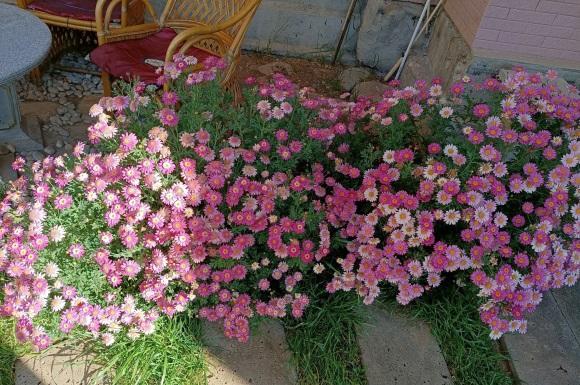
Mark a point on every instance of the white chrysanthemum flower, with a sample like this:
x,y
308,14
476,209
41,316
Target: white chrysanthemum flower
x,y
485,169
414,242
249,171
371,194
538,247
409,229
83,177
108,339
114,327
570,160
571,279
574,146
389,156
435,90
133,334
508,103
402,216
57,233
57,303
386,209
429,172
481,215
452,217
318,268
446,112
51,269
575,211
95,110
450,150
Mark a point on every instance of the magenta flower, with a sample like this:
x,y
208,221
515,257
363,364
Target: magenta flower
x,y
481,110
168,117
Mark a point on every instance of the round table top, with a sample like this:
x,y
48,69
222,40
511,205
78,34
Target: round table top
x,y
24,42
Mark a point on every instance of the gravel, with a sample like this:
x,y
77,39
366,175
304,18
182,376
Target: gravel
x,y
67,89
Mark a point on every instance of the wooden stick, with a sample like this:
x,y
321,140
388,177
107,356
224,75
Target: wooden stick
x,y
425,26
344,29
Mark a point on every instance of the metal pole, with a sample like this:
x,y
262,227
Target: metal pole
x,y
431,17
344,29
417,28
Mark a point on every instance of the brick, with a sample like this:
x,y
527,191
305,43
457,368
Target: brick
x,y
567,44
569,55
567,21
518,4
521,38
559,8
531,16
521,27
541,52
569,1
487,34
499,12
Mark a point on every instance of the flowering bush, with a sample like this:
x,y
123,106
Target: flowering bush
x,y
194,205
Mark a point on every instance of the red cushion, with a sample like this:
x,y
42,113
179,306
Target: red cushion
x,y
126,59
74,9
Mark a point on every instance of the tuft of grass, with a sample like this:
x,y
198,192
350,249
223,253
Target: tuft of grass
x,y
10,350
323,342
173,355
452,312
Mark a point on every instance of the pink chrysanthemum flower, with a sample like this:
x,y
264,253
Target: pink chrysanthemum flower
x,y
76,250
63,202
168,117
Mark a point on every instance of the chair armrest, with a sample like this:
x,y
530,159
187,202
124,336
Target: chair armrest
x,y
192,35
23,3
229,44
107,31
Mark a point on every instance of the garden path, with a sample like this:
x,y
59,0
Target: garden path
x,y
263,360
400,351
60,365
549,353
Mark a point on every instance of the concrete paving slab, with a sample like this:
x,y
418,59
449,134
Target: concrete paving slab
x,y
263,360
549,353
400,351
568,300
59,365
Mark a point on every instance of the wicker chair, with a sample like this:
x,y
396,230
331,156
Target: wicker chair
x,y
208,27
73,22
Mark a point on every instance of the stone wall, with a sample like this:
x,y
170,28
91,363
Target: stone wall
x,y
308,28
378,35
